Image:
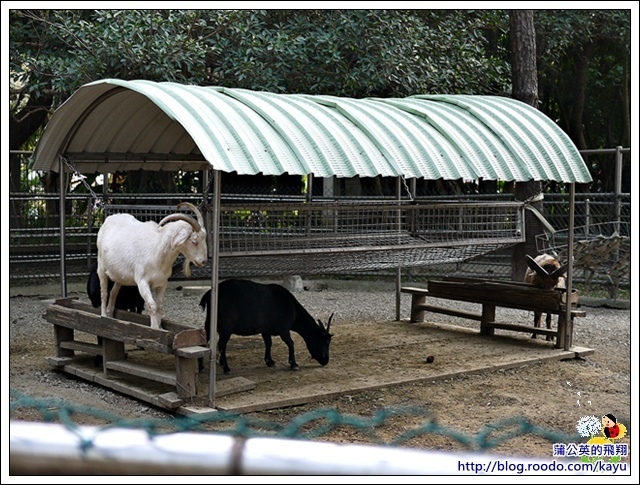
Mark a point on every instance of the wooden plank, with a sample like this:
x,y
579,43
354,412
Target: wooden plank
x,y
63,334
488,316
82,371
85,347
417,299
142,370
582,351
224,387
522,328
111,328
460,279
129,388
112,351
131,317
262,405
449,311
170,400
203,412
499,294
135,387
190,338
59,361
138,388
413,290
193,352
186,377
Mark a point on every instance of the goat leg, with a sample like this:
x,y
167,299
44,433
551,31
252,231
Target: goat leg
x,y
267,350
113,296
537,322
222,351
549,337
286,338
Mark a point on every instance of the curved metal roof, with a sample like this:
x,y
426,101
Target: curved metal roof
x,y
112,125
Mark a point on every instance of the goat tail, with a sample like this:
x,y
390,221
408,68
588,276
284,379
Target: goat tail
x,y
204,301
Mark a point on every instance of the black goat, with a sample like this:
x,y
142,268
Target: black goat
x,y
129,297
249,308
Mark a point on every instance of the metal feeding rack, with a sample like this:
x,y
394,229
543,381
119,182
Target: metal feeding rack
x,y
271,239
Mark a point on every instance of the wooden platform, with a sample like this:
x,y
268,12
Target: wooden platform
x,y
370,356
364,356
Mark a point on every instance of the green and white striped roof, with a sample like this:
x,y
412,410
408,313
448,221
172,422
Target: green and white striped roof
x,y
112,125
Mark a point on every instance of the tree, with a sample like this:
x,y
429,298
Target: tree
x,y
584,70
525,89
54,52
354,53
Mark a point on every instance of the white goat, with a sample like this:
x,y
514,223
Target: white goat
x,y
544,272
131,252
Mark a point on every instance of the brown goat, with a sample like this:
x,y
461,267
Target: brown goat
x,y
545,272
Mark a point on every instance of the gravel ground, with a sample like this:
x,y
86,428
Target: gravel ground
x,y
550,395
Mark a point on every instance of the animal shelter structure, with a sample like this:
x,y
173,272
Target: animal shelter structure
x,y
113,125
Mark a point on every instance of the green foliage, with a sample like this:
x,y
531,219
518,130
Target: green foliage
x,y
356,53
602,38
338,52
353,53
79,46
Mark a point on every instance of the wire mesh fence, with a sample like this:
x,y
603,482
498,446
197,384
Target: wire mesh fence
x,y
468,238
268,214
601,251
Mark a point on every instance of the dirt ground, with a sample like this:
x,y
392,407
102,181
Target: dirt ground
x,y
518,394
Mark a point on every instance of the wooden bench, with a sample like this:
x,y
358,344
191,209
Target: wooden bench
x,y
492,294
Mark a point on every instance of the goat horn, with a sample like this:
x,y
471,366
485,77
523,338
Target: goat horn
x,y
195,210
181,217
329,322
533,264
560,271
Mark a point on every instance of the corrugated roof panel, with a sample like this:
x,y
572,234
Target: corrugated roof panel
x,y
299,128
322,140
416,150
268,152
113,125
213,136
463,138
361,150
525,132
555,143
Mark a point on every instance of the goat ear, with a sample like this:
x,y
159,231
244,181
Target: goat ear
x,y
533,264
180,237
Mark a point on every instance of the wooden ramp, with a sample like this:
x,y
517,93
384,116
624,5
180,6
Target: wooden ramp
x,y
123,353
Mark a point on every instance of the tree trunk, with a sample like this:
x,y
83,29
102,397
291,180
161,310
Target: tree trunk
x,y
524,77
580,75
524,74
